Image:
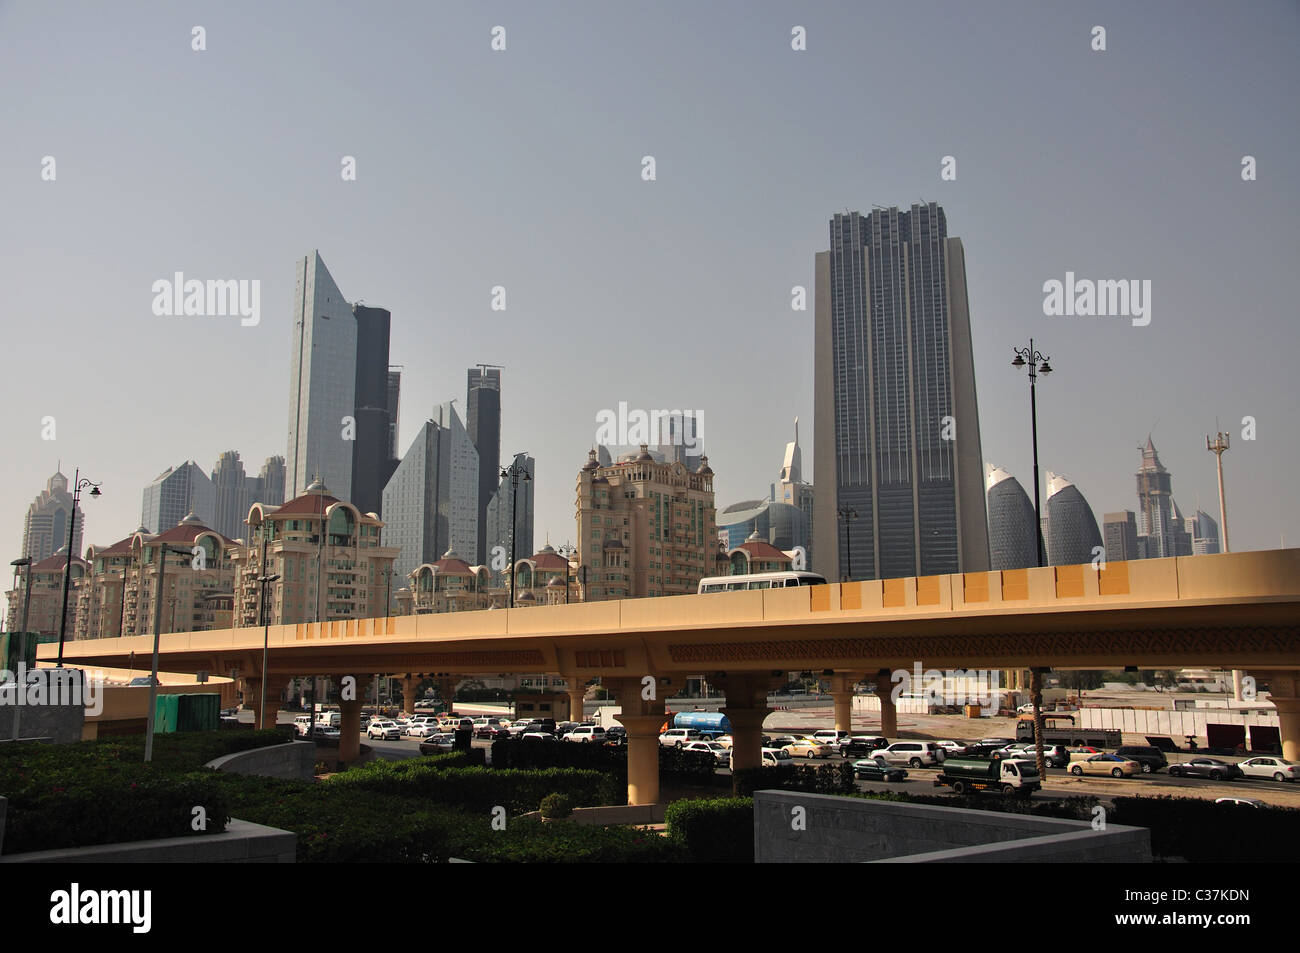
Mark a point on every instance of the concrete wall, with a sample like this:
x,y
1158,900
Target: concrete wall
x,y
297,759
1176,724
60,724
855,830
241,843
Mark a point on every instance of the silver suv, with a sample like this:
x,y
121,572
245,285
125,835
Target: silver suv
x,y
915,754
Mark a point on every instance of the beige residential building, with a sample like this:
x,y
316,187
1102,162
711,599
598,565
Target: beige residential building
x,y
327,555
644,528
47,596
453,585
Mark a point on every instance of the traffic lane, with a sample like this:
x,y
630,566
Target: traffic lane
x,y
1059,784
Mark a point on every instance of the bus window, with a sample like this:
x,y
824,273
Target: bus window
x,y
733,586
761,584
791,582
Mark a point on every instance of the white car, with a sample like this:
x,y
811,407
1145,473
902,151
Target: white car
x,y
830,736
422,729
772,758
585,733
912,753
678,737
386,730
951,749
1278,769
720,754
724,740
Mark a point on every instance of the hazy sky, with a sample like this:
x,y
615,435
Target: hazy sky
x,y
522,168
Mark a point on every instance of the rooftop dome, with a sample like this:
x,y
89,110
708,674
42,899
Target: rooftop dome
x,y
591,463
644,455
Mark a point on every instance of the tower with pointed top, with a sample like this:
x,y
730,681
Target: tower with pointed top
x,y
791,489
1159,530
45,528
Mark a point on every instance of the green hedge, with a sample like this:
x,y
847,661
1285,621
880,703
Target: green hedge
x,y
673,763
832,778
713,831
1204,832
479,789
562,842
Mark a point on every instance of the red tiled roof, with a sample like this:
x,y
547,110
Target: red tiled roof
x,y
453,567
549,561
118,548
56,563
761,549
309,504
187,533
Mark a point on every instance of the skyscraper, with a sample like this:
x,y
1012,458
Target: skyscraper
x,y
499,511
1204,531
431,500
372,464
483,421
1160,528
680,440
394,405
176,493
793,491
231,490
1072,534
270,484
1013,537
897,437
45,528
322,383
1121,536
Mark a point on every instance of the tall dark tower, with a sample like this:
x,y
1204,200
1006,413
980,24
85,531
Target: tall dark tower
x,y
371,466
483,421
897,440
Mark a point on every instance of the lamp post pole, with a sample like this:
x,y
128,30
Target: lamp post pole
x,y
26,564
264,578
77,484
151,714
848,514
1037,362
567,552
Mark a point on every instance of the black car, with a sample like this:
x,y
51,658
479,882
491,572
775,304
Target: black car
x,y
861,746
868,770
1211,768
1151,759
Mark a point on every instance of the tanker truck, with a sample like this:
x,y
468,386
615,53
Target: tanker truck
x,y
1010,776
710,724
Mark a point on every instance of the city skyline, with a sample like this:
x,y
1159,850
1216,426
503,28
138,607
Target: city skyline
x,y
1135,206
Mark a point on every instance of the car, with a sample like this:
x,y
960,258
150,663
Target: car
x,y
952,749
724,740
585,734
1083,751
437,744
780,741
538,735
327,731
912,753
422,729
1211,768
1151,758
1000,742
1027,709
1279,769
677,737
720,754
386,730
861,746
772,758
1113,765
831,736
871,770
616,731
1240,801
303,725
808,748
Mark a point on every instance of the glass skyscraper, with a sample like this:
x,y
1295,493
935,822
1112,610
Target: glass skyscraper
x,y
1072,533
322,382
897,437
483,421
1013,536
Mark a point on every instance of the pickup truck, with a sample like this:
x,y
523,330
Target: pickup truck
x,y
1010,776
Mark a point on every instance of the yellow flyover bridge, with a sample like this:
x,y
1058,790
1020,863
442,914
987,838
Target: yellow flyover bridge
x,y
1234,610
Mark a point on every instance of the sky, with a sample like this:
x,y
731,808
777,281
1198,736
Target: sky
x,y
523,168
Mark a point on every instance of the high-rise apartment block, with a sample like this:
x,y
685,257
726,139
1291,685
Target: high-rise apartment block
x,y
45,528
1121,540
430,504
502,510
645,528
483,421
897,441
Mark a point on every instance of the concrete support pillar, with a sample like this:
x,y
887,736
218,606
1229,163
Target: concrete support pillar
x,y
746,736
409,684
841,689
349,730
229,694
253,698
447,688
888,712
642,757
1288,723
576,691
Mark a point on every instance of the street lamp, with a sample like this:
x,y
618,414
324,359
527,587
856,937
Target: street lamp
x,y
516,472
1028,356
157,638
77,484
26,564
566,551
848,514
266,633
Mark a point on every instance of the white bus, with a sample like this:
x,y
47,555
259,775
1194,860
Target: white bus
x,y
761,580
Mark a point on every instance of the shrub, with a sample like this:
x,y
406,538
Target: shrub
x,y
1204,832
713,831
531,842
822,779
481,789
556,806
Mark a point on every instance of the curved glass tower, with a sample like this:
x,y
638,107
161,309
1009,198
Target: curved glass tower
x,y
1013,537
1071,528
